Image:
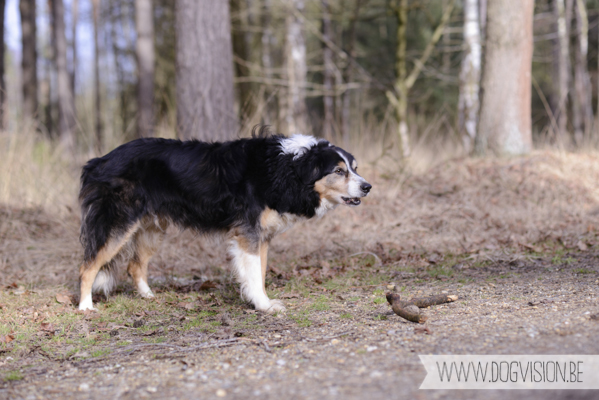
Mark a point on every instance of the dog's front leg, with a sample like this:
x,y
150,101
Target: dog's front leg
x,y
248,265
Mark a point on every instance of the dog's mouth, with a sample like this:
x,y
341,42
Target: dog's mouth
x,y
351,201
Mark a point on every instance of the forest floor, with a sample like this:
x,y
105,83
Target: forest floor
x,y
515,239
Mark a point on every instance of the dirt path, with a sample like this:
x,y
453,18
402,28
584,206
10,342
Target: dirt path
x,y
516,240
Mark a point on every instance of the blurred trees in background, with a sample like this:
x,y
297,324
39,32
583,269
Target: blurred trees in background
x,y
485,75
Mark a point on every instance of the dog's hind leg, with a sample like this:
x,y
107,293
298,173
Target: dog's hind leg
x,y
89,270
249,266
145,243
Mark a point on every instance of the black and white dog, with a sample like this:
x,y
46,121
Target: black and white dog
x,y
247,189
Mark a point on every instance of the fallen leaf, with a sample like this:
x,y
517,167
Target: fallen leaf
x,y
207,285
63,299
582,246
80,354
6,338
48,327
289,296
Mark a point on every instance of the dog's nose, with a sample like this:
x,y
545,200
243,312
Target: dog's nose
x,y
366,187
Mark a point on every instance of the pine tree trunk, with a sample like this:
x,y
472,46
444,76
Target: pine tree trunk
x,y
29,59
66,103
582,110
505,116
205,93
328,73
97,96
144,47
468,102
295,55
2,81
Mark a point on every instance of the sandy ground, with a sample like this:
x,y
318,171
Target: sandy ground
x,y
514,239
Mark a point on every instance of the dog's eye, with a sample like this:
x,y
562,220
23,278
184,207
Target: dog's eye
x,y
339,171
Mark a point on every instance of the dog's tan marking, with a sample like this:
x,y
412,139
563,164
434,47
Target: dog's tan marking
x,y
146,242
273,223
263,261
331,186
354,164
89,271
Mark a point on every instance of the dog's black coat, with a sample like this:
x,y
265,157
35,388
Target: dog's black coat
x,y
203,186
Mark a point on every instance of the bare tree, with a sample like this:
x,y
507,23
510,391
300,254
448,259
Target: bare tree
x,y
66,103
242,49
144,25
74,21
329,72
468,102
29,59
561,65
505,116
582,107
97,95
2,81
404,81
297,69
205,95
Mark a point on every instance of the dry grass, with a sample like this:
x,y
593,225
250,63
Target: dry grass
x,y
488,208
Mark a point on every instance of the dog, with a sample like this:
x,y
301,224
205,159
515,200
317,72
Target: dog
x,y
248,190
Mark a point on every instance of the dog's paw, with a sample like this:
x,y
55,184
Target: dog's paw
x,y
87,304
276,306
147,295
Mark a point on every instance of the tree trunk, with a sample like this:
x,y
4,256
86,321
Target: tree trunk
x,y
468,102
97,98
561,69
29,59
582,110
266,58
328,74
295,55
2,81
66,103
205,93
242,49
505,116
75,19
144,47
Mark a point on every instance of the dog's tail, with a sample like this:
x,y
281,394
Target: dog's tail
x,y
106,280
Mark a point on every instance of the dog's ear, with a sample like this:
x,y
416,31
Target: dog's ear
x,y
308,169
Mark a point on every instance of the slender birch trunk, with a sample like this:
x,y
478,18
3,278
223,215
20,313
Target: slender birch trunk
x,y
468,102
2,81
75,19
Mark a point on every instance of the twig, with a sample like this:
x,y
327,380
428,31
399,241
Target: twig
x,y
369,253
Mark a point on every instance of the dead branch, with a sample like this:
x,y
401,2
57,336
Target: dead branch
x,y
410,309
404,309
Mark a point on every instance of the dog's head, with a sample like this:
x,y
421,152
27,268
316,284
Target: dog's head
x,y
331,170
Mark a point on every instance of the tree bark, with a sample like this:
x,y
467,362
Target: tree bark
x,y
144,47
75,19
297,69
505,116
242,49
97,95
328,74
468,102
66,103
205,93
582,110
2,81
561,68
29,59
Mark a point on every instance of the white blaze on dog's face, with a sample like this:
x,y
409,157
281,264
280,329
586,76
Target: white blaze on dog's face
x,y
341,183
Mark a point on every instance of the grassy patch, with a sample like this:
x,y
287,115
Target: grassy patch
x,y
13,376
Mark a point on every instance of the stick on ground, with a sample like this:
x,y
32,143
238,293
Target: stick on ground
x,y
410,309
